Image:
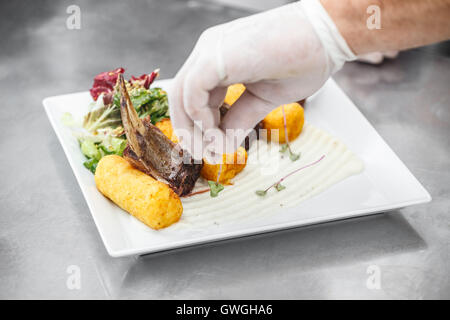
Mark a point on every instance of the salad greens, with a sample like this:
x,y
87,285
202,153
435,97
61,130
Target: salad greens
x,y
102,116
102,132
68,120
147,102
94,150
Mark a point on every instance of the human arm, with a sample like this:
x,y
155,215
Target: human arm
x,y
404,23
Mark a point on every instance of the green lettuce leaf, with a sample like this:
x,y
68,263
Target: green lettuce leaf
x,y
91,165
147,102
102,116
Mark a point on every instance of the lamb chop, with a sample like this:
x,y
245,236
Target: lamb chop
x,y
150,151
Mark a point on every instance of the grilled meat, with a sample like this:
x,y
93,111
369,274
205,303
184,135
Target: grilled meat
x,y
150,151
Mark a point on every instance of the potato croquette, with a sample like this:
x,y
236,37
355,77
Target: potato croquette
x,y
147,199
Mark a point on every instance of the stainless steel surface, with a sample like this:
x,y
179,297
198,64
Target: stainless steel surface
x,y
45,225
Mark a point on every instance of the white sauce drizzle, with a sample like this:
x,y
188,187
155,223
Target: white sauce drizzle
x,y
239,201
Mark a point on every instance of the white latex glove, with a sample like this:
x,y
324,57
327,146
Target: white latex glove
x,y
282,55
377,57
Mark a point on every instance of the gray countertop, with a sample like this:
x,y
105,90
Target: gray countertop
x,y
45,224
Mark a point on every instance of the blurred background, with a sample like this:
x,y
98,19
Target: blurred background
x,y
45,224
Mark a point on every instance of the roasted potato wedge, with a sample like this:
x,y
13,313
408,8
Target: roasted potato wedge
x,y
294,122
233,93
232,165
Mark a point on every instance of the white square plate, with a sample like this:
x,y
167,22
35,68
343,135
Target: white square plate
x,y
385,183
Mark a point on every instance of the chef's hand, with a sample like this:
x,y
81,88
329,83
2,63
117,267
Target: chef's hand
x,y
281,55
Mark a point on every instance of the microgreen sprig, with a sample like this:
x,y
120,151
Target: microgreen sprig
x,y
293,156
214,186
287,147
278,186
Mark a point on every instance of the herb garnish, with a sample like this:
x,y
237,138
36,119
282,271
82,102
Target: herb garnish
x,y
278,186
214,188
293,156
287,147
